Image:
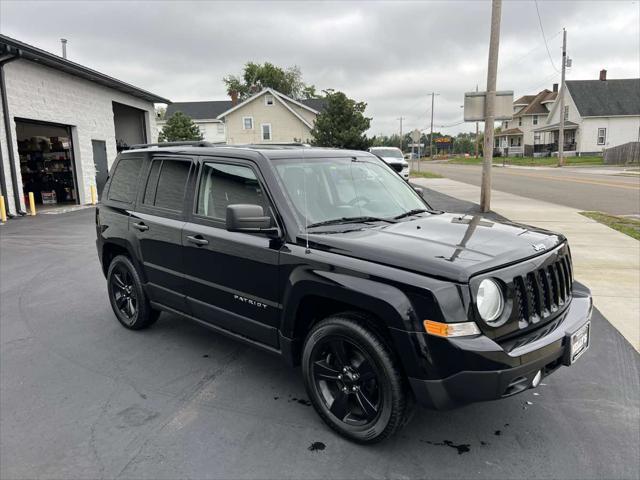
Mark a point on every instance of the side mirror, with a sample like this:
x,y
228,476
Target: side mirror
x,y
419,191
248,219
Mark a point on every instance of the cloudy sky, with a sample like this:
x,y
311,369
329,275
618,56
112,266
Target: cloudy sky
x,y
388,54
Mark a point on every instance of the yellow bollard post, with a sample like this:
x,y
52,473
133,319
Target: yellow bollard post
x,y
3,210
94,194
32,204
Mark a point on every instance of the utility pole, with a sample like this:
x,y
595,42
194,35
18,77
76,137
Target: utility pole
x,y
433,94
492,74
401,118
477,131
561,130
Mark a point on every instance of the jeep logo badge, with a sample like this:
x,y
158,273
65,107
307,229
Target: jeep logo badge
x,y
538,247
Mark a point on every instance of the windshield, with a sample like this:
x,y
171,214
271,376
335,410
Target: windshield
x,y
328,189
387,152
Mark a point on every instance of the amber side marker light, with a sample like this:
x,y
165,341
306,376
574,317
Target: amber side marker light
x,y
462,329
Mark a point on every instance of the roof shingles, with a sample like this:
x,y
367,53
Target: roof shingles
x,y
603,98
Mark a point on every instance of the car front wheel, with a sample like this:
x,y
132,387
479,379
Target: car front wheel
x,y
353,379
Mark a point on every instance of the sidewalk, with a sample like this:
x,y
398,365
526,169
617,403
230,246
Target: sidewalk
x,y
605,260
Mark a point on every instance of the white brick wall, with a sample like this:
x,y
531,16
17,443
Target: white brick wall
x,y
44,94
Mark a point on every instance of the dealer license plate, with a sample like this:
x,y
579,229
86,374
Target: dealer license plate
x,y
580,341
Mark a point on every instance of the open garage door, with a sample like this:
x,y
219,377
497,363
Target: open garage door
x,y
46,162
130,126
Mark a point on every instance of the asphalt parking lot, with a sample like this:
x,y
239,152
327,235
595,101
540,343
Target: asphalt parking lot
x,y
81,397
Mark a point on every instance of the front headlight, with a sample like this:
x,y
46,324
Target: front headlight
x,y
489,301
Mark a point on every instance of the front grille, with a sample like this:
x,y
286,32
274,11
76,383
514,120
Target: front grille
x,y
541,293
398,167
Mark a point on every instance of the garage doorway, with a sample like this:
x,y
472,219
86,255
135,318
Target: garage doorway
x,y
130,126
46,162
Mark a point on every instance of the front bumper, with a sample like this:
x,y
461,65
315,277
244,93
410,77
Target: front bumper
x,y
488,370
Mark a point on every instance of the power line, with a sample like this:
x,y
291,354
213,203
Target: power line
x,y
545,38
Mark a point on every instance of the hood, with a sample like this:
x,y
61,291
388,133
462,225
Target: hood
x,y
393,160
450,246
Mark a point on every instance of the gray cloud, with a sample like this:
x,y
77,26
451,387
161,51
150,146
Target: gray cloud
x,y
389,54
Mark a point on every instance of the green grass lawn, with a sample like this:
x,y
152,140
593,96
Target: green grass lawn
x,y
424,174
626,225
530,161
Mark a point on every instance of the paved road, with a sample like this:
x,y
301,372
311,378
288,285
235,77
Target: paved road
x,y
580,188
82,397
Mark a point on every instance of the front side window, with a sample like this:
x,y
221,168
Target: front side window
x,y
328,189
167,183
247,123
387,152
222,185
535,119
266,131
125,180
602,136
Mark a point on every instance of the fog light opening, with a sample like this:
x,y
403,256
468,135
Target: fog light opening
x,y
536,380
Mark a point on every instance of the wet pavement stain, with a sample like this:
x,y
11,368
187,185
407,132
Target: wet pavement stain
x,y
301,401
461,448
205,356
276,398
316,447
135,416
483,443
497,433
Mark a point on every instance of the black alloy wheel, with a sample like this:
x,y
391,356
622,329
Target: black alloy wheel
x,y
346,381
353,380
126,295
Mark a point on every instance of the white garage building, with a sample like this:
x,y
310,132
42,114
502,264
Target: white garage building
x,y
62,125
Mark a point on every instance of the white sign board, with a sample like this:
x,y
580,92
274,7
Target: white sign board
x,y
474,106
415,135
416,145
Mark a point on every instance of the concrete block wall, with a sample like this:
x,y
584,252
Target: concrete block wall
x,y
40,93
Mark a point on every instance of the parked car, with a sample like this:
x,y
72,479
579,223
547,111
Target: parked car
x,y
328,259
394,157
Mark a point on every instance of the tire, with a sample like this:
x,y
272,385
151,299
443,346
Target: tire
x,y
127,297
357,388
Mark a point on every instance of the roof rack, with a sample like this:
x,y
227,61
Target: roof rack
x,y
197,143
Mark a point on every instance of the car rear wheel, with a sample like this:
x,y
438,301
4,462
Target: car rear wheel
x,y
353,380
127,297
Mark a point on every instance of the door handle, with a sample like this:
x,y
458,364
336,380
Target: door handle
x,y
141,226
198,240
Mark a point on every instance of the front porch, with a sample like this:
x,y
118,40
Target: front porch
x,y
510,143
545,140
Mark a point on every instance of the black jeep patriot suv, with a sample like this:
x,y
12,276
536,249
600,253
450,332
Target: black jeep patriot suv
x,y
330,260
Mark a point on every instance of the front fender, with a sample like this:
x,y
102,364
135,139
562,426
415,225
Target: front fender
x,y
387,302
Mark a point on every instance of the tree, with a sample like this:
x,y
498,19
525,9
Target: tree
x,y
256,77
179,128
342,124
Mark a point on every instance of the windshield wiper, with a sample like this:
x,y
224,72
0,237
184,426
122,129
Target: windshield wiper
x,y
415,211
345,220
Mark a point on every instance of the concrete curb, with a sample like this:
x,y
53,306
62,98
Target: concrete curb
x,y
605,260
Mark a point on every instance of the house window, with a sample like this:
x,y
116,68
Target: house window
x,y
247,123
535,119
266,131
505,125
519,121
566,113
268,100
602,136
221,128
536,137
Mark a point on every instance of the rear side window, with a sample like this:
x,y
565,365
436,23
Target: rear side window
x,y
125,180
167,183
